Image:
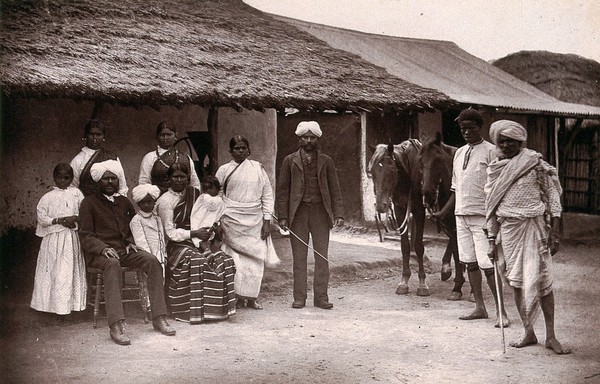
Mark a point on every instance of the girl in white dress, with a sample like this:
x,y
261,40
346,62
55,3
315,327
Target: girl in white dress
x,y
60,284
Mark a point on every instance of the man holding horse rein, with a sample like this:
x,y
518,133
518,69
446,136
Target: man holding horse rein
x,y
468,201
309,200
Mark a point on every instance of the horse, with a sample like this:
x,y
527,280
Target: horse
x,y
435,159
397,178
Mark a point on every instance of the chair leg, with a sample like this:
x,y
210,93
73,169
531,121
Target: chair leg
x,y
144,297
97,298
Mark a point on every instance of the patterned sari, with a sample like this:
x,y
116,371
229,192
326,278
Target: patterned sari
x,y
201,283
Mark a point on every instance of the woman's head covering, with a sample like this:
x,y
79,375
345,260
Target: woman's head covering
x,y
97,170
308,126
141,191
508,128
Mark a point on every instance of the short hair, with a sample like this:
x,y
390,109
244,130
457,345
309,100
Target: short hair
x,y
472,115
93,123
236,139
62,167
178,167
163,125
210,181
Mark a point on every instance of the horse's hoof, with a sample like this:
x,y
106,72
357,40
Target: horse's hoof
x,y
423,290
446,271
402,289
455,296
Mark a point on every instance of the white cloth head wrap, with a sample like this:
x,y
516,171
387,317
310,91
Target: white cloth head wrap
x,y
141,191
98,169
308,126
508,128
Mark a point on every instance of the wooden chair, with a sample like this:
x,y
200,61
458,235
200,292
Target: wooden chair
x,y
96,295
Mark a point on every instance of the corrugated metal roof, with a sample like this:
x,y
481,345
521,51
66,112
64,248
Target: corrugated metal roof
x,y
444,66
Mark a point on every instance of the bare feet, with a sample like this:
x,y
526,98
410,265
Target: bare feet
x,y
476,314
527,339
554,345
505,321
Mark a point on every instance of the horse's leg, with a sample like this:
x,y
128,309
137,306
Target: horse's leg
x,y
446,271
459,276
405,246
419,216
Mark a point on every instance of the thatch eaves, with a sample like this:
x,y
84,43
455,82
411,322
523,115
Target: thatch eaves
x,y
567,77
176,52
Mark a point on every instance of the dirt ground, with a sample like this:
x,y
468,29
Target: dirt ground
x,y
371,335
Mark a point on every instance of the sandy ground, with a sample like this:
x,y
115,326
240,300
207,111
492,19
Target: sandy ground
x,y
371,335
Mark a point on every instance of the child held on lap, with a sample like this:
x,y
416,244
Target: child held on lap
x,y
60,285
207,209
146,226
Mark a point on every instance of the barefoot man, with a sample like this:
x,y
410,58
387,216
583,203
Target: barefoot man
x,y
468,201
522,190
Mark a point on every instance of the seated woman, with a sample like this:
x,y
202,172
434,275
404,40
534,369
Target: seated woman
x,y
93,152
198,291
155,164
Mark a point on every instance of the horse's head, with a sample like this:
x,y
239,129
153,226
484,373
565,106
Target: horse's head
x,y
382,167
435,159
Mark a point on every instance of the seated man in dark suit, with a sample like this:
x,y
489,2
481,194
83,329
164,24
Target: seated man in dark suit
x,y
107,243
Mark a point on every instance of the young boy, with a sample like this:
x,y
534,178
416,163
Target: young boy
x,y
146,227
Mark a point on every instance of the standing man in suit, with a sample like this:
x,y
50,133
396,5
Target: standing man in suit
x,y
309,201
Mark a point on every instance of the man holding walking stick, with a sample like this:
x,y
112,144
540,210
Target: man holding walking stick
x,y
309,201
522,199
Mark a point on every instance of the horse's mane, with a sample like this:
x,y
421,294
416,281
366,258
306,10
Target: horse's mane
x,y
381,151
437,140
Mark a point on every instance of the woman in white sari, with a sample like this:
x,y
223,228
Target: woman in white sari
x,y
246,222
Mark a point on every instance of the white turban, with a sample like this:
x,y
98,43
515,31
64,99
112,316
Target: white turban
x,y
308,126
98,169
508,128
141,191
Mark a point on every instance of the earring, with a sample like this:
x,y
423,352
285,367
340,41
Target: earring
x,y
103,139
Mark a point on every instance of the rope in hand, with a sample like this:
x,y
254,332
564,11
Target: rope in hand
x,y
303,242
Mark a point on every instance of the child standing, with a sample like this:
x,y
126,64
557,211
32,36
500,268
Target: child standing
x,y
60,284
146,226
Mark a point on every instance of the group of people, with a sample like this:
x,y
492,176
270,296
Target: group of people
x,y
506,199
210,238
203,244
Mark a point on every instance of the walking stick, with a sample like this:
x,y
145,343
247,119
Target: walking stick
x,y
500,303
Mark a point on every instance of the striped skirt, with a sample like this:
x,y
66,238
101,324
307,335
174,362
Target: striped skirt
x,y
201,286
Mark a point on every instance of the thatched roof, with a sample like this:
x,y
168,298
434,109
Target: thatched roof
x,y
175,52
444,66
567,77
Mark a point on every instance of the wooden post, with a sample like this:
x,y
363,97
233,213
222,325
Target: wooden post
x,y
212,123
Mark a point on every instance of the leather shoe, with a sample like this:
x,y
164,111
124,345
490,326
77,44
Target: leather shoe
x,y
161,325
253,304
324,304
297,304
117,333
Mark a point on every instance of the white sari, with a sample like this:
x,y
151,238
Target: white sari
x,y
248,198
